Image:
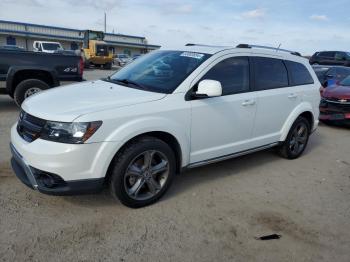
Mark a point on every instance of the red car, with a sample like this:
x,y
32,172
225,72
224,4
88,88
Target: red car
x,y
335,102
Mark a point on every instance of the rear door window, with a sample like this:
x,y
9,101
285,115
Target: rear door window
x,y
298,73
269,73
328,54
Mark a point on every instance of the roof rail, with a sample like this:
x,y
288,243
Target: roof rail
x,y
190,44
277,49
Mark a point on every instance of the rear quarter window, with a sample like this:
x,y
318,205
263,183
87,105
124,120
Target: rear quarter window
x,y
269,73
299,74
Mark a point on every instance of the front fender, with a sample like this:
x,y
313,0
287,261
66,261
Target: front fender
x,y
136,127
301,108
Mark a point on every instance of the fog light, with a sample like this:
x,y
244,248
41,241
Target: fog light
x,y
47,179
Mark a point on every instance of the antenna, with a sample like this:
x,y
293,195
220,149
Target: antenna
x,y
278,48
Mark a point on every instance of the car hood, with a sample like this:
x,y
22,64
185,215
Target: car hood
x,y
338,92
66,103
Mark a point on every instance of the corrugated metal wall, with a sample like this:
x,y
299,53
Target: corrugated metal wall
x,y
26,34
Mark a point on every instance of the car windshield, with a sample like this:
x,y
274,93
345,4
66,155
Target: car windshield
x,y
320,71
159,71
51,46
345,82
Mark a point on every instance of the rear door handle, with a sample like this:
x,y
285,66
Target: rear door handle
x,y
248,103
293,96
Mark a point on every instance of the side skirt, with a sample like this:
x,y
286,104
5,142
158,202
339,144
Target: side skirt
x,y
241,153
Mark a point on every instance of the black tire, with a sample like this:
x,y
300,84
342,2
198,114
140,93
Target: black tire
x,y
107,66
22,89
291,147
125,159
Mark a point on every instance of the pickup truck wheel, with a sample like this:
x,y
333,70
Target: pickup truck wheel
x,y
27,88
107,66
142,172
297,139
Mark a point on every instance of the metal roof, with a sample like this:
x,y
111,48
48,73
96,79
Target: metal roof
x,y
77,35
64,28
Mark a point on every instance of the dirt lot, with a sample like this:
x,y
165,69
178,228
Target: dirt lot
x,y
211,213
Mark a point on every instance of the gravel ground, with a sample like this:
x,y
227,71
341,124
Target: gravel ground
x,y
210,213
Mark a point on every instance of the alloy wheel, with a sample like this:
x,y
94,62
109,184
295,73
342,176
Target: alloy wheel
x,y
146,175
31,91
298,139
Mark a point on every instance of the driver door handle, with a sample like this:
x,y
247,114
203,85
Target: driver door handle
x,y
293,95
248,102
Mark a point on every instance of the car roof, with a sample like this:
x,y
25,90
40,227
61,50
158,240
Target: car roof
x,y
329,66
332,51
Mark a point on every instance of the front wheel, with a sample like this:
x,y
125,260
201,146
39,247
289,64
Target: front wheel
x,y
296,140
142,172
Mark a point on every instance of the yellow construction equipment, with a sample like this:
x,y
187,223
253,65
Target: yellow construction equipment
x,y
95,50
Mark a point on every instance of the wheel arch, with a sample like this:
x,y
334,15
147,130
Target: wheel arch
x,y
304,110
16,76
166,137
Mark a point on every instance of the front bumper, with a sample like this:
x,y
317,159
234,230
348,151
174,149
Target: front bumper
x,y
78,168
332,111
31,178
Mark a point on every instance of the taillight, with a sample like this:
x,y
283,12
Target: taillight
x,y
81,66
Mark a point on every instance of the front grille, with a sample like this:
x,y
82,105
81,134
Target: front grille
x,y
29,127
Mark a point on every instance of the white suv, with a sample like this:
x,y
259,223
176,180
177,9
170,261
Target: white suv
x,y
166,111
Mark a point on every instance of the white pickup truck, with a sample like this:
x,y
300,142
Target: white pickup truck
x,y
47,47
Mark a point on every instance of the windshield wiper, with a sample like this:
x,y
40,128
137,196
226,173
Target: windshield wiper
x,y
129,82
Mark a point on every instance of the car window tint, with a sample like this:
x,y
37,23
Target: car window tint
x,y
340,55
320,71
343,72
232,73
328,54
299,75
269,73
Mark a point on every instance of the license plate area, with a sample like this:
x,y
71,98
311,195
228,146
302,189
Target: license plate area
x,y
337,117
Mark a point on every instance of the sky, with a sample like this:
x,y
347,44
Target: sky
x,y
306,26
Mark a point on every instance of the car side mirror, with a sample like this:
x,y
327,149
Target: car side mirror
x,y
208,88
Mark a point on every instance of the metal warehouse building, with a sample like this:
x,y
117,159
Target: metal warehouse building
x,y
24,34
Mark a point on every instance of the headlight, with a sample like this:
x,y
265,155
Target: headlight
x,y
70,133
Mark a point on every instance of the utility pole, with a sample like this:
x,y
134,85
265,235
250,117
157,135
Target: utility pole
x,y
105,22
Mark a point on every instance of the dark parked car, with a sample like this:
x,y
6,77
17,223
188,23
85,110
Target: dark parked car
x,y
25,73
335,103
331,58
329,74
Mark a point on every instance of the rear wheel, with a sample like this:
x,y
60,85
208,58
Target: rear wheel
x,y
297,139
142,172
107,66
28,88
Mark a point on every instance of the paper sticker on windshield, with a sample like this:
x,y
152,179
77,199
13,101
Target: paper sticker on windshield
x,y
192,55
